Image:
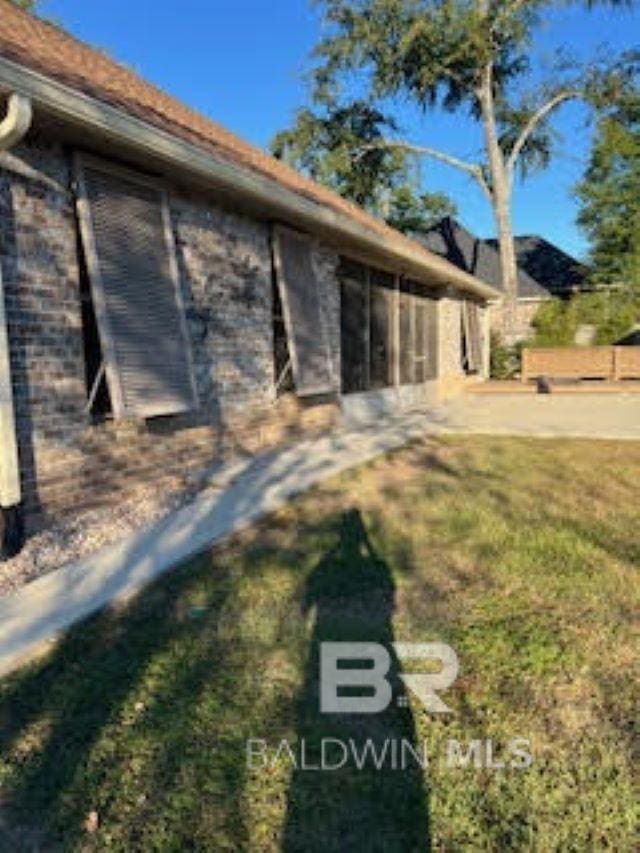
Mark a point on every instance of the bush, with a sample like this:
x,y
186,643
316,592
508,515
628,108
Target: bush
x,y
504,362
611,312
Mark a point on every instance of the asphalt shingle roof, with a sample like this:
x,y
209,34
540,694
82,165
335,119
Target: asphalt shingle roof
x,y
543,269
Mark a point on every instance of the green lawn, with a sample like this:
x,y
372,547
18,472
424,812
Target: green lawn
x,y
521,554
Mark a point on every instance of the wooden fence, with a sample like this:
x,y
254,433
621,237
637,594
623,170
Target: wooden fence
x,y
611,363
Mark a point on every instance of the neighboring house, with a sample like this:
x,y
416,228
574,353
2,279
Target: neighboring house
x,y
544,270
631,339
173,294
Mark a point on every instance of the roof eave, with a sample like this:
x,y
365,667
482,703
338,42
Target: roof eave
x,y
77,108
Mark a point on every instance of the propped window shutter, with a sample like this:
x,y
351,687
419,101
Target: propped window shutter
x,y
126,233
308,346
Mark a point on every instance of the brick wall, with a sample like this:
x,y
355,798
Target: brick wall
x,y
525,313
225,268
450,341
452,378
225,271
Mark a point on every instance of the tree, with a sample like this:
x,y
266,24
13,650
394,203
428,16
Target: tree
x,y
416,213
470,55
29,5
340,147
610,195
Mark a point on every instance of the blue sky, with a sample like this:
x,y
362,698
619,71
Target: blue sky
x,y
242,63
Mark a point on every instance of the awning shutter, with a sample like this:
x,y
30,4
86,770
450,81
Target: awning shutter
x,y
130,255
300,297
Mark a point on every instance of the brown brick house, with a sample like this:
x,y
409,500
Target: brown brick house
x,y
171,295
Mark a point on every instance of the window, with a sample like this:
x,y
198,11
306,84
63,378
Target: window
x,y
306,335
128,245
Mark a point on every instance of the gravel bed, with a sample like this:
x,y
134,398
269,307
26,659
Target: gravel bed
x,y
80,535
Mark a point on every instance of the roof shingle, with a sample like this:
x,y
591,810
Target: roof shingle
x,y
543,269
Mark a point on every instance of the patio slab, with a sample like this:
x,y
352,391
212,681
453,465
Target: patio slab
x,y
584,415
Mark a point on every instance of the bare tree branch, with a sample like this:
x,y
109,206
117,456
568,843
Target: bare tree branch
x,y
530,126
472,169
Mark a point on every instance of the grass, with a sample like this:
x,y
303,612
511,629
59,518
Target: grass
x,y
521,554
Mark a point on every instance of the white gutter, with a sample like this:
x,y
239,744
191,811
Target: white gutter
x,y
15,125
117,126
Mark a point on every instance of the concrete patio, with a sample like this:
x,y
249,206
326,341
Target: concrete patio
x,y
572,415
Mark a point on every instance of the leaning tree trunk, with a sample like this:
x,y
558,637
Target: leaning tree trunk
x,y
500,186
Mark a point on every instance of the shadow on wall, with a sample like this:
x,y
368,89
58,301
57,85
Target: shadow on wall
x,y
142,714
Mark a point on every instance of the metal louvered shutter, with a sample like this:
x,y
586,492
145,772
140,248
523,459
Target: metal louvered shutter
x,y
125,228
308,344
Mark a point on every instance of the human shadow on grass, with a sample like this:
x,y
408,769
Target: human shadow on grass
x,y
348,809
75,725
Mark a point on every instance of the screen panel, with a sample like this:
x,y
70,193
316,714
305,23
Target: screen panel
x,y
431,332
406,343
353,336
381,300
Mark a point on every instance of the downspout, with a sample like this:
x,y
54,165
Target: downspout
x,y
12,129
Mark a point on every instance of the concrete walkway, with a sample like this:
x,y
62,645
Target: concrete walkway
x,y
245,492
240,495
614,416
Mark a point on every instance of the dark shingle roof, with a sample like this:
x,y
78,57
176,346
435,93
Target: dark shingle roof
x,y
549,265
543,269
452,241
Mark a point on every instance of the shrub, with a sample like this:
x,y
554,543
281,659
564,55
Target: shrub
x,y
611,312
504,362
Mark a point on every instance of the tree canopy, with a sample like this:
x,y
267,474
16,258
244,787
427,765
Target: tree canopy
x,y
610,195
468,56
339,146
